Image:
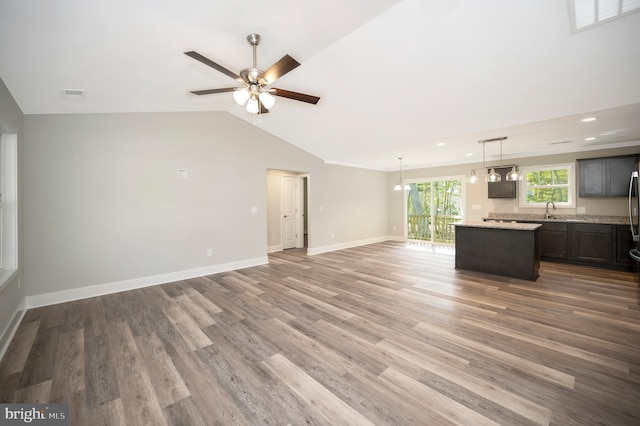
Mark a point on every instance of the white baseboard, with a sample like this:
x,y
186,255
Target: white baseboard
x,y
350,244
272,249
12,327
115,287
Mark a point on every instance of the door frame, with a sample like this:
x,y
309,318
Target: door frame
x,y
299,206
463,201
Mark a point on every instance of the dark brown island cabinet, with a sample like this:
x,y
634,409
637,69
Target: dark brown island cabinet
x,y
499,248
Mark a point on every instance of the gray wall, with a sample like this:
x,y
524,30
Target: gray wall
x,y
11,295
477,193
103,203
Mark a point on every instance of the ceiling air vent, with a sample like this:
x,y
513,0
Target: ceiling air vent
x,y
72,94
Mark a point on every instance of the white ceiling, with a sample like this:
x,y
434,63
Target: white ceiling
x,y
395,77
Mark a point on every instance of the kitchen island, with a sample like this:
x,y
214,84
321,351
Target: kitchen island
x,y
501,248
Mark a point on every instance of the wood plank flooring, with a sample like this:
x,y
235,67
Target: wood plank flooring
x,y
384,334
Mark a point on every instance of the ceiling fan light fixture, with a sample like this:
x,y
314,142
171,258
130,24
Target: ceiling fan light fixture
x,y
252,105
241,96
267,100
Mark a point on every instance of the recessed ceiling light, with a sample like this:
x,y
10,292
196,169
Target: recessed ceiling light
x,y
588,119
609,133
441,144
468,154
591,138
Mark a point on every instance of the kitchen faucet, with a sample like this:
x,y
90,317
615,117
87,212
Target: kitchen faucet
x,y
546,210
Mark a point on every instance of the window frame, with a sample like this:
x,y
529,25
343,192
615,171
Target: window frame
x,y
573,11
571,174
463,203
9,207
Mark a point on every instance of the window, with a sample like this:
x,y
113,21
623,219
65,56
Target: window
x,y
588,13
8,207
541,184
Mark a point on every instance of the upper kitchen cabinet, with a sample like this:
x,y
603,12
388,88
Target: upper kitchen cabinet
x,y
605,177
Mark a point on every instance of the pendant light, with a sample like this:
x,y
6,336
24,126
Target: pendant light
x,y
399,186
493,176
514,174
472,177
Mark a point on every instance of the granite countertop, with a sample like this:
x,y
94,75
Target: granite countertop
x,y
501,225
570,218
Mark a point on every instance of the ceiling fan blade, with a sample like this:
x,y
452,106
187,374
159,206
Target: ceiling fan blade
x,y
212,91
263,109
295,96
209,62
277,70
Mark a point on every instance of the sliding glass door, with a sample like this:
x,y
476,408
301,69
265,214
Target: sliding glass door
x,y
433,205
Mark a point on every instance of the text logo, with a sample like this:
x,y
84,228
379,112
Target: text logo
x,y
34,414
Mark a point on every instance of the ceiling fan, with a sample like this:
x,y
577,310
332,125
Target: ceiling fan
x,y
255,91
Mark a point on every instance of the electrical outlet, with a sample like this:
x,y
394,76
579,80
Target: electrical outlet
x,y
209,252
582,210
515,209
332,235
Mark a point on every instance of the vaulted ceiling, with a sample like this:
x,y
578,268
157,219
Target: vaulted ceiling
x,y
419,79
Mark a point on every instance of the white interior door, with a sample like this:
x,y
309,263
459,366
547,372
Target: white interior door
x,y
290,207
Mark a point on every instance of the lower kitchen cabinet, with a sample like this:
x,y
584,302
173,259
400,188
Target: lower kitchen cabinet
x,y
588,244
553,241
592,243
